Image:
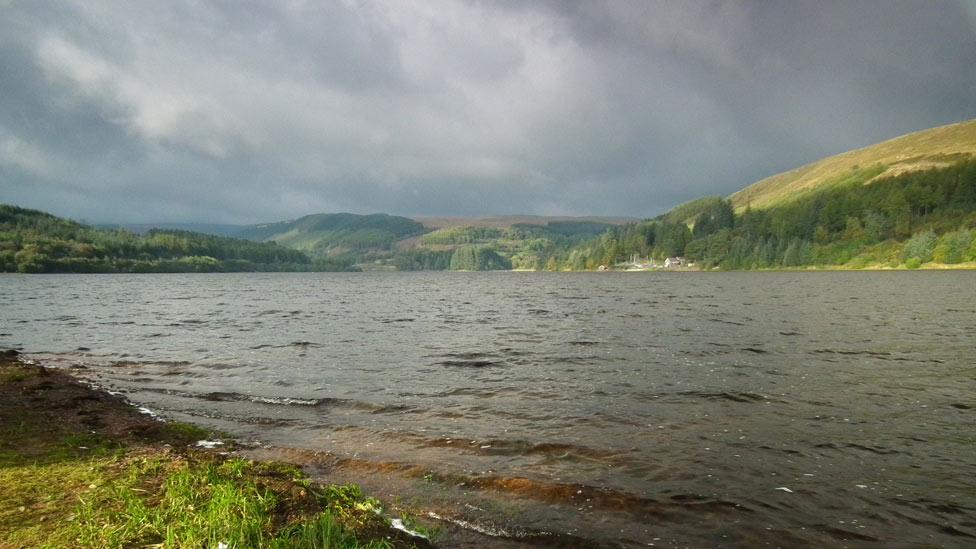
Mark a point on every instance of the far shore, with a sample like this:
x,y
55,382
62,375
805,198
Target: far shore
x,y
967,266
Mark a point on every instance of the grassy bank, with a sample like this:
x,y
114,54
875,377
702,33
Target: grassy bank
x,y
81,468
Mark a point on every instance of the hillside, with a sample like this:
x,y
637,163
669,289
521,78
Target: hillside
x,y
520,245
688,212
904,203
215,229
334,234
34,242
386,242
933,148
507,221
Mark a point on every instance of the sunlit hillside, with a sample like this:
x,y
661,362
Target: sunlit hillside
x,y
932,148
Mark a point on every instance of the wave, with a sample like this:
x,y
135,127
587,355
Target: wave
x,y
731,396
286,401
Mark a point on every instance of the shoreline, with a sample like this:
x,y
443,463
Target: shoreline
x,y
876,267
80,466
61,418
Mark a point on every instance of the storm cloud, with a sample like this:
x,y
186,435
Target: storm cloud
x,y
234,111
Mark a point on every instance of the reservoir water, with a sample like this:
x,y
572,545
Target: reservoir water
x,y
605,409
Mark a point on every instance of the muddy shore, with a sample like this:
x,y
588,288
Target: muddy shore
x,y
65,445
51,415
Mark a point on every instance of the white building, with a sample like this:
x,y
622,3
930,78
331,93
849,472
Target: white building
x,y
674,262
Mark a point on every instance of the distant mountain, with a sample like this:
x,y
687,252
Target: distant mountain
x,y
923,150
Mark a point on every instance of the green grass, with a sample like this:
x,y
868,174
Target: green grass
x,y
134,501
15,373
184,433
201,504
323,531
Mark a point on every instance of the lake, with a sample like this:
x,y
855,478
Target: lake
x,y
616,409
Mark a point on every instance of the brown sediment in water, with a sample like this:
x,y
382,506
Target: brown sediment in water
x,y
639,507
601,514
521,510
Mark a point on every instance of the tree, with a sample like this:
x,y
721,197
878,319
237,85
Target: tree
x,y
874,226
920,246
672,239
611,249
952,247
716,216
900,213
30,259
478,258
797,253
853,230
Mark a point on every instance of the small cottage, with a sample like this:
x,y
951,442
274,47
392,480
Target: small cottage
x,y
674,262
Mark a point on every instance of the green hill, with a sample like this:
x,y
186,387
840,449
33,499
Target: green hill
x,y
525,243
334,234
34,242
386,242
904,203
689,211
924,150
508,221
216,229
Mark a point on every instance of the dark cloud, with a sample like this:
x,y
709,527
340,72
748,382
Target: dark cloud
x,y
254,111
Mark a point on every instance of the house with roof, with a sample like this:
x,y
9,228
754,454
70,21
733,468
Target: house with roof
x,y
672,262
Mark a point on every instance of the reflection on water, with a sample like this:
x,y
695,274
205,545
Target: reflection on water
x,y
702,409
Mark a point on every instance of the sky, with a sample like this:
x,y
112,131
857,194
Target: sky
x,y
237,111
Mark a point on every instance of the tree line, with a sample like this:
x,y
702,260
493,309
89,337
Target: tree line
x,y
36,242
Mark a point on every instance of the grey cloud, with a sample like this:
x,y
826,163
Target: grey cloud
x,y
255,111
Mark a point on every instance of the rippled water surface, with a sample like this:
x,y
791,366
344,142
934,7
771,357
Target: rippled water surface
x,y
609,408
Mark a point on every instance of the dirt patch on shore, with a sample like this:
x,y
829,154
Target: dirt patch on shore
x,y
55,403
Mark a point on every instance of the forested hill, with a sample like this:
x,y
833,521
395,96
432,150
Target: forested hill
x,y
387,242
35,242
332,234
216,229
920,210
